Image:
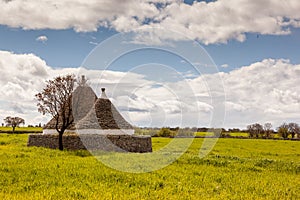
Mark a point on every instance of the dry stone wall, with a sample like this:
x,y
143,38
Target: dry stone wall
x,y
119,143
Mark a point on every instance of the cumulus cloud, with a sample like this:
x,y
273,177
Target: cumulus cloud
x,y
261,92
265,91
213,22
225,66
24,75
42,39
94,43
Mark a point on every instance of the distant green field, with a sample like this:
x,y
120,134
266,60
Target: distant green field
x,y
235,169
204,134
239,134
212,134
20,129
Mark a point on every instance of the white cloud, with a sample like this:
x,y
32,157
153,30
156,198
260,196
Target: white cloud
x,y
234,106
214,22
21,78
261,92
225,66
266,90
93,43
42,38
24,75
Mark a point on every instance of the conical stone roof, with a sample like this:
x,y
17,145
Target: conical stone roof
x,y
83,99
92,113
104,115
51,124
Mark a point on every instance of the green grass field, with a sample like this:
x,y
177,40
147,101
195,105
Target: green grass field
x,y
235,169
239,134
21,129
204,134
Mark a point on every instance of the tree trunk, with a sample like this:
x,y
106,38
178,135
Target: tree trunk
x,y
14,129
60,141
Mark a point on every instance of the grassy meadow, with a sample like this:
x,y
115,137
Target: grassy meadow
x,y
4,129
235,169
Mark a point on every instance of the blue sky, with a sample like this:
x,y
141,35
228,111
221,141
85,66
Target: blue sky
x,y
242,45
64,48
67,48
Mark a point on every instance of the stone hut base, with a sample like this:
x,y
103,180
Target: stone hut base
x,y
94,142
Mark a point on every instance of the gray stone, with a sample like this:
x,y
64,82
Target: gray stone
x,y
118,143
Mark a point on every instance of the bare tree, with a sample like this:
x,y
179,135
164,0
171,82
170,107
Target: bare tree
x,y
268,129
56,100
14,122
283,130
294,129
255,130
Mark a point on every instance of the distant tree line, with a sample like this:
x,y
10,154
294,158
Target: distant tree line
x,y
256,130
285,130
173,132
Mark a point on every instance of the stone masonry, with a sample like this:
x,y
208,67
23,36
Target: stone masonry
x,y
118,143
